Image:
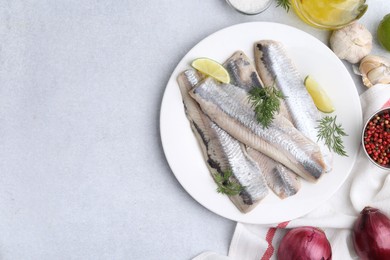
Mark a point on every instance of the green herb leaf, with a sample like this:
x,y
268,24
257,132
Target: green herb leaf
x,y
331,133
225,185
266,103
284,3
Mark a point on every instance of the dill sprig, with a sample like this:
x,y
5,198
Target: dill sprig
x,y
284,3
331,133
225,185
266,103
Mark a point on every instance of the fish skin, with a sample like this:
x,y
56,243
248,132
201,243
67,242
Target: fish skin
x,y
272,61
280,179
228,106
244,74
221,151
244,168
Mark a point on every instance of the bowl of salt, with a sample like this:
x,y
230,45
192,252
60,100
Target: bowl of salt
x,y
249,7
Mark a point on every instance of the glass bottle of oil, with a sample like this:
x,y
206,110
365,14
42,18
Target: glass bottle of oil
x,y
329,14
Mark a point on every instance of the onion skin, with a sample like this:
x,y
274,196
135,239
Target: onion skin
x,y
371,235
305,243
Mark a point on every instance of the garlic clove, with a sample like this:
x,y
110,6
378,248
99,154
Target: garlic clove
x,y
376,59
369,65
366,81
374,69
380,74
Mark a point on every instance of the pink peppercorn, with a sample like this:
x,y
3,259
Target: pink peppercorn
x,y
377,138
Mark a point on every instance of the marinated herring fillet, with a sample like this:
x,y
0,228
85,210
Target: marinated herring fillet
x,y
272,62
222,152
228,107
242,72
244,75
281,180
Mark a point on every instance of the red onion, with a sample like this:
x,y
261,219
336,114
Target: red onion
x,y
305,243
371,235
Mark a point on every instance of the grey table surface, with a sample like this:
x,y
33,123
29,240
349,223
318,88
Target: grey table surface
x,y
82,170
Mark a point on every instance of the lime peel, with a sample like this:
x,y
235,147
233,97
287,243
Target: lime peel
x,y
383,32
319,96
211,68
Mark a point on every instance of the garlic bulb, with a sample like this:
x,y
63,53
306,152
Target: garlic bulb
x,y
375,70
351,43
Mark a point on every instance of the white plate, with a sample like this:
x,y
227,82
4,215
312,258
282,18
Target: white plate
x,y
312,57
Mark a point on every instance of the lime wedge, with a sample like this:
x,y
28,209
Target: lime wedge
x,y
211,68
319,96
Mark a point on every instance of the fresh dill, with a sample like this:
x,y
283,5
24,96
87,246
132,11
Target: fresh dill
x,y
225,185
284,3
331,133
266,103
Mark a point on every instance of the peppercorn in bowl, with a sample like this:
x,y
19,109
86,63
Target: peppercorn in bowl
x,y
376,138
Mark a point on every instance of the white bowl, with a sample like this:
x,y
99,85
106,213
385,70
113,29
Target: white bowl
x,y
245,8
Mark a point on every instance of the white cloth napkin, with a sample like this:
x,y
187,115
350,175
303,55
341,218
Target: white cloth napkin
x,y
367,185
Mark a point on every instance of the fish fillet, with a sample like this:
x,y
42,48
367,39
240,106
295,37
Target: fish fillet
x,y
272,62
244,74
282,181
228,106
222,152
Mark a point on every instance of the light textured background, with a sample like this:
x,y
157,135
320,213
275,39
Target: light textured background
x,y
82,171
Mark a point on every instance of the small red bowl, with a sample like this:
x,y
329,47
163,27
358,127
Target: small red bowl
x,y
376,138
